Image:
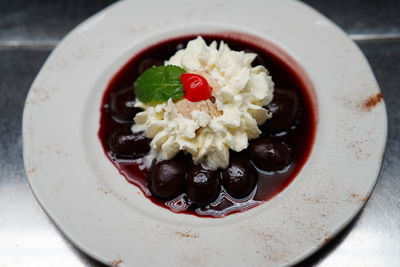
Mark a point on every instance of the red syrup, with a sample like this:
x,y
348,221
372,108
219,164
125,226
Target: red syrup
x,y
285,72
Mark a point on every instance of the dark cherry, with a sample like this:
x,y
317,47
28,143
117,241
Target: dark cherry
x,y
148,63
269,155
167,178
284,108
258,60
239,178
122,106
124,144
180,46
202,186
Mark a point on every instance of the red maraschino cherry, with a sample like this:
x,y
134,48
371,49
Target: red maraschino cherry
x,y
196,87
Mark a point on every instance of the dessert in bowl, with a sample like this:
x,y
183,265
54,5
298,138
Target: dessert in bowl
x,y
208,125
298,209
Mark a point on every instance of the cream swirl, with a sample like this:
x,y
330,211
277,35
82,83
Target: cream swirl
x,y
211,130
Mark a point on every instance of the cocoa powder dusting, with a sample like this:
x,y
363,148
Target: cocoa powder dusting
x,y
372,101
187,234
116,263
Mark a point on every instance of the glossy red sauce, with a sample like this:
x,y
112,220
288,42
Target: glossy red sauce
x,y
285,72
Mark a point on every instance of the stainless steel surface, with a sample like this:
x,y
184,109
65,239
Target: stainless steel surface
x,y
28,32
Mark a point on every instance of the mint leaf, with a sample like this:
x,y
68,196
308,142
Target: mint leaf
x,y
158,84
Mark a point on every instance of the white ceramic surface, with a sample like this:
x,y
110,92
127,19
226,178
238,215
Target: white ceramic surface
x,y
112,221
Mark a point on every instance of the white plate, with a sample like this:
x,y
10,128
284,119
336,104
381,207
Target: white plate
x,y
112,221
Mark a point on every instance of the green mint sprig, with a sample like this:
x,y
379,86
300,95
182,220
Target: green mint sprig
x,y
158,84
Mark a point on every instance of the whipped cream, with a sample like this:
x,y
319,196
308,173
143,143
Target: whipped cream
x,y
240,92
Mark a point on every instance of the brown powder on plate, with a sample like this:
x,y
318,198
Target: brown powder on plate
x,y
372,101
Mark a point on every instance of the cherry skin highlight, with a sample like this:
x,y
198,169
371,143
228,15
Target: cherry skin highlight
x,y
196,87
